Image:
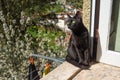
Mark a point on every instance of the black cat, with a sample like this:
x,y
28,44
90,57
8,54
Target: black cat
x,y
78,49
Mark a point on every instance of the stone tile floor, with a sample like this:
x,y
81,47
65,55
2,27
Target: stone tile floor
x,y
99,71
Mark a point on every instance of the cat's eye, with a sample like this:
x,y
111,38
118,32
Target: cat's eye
x,y
73,22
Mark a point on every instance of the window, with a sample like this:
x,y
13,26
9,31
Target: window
x,y
114,37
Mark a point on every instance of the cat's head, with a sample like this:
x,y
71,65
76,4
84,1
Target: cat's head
x,y
75,23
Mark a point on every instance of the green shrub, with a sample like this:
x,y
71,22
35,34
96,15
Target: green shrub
x,y
50,41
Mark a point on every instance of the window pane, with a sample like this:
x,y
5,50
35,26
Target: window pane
x,y
114,38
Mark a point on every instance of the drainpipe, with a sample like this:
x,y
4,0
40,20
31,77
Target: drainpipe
x,y
95,7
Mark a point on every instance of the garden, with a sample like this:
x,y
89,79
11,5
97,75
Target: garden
x,y
29,27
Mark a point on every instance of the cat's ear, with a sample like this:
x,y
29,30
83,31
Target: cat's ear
x,y
78,15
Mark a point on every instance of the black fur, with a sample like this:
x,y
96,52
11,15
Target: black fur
x,y
78,49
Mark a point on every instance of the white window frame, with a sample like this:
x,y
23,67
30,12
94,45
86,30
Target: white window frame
x,y
103,54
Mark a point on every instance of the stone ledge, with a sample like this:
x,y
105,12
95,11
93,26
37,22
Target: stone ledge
x,y
65,71
98,71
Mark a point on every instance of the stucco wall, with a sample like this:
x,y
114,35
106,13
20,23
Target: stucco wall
x,y
86,13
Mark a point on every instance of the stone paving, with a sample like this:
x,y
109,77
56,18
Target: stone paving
x,y
99,71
